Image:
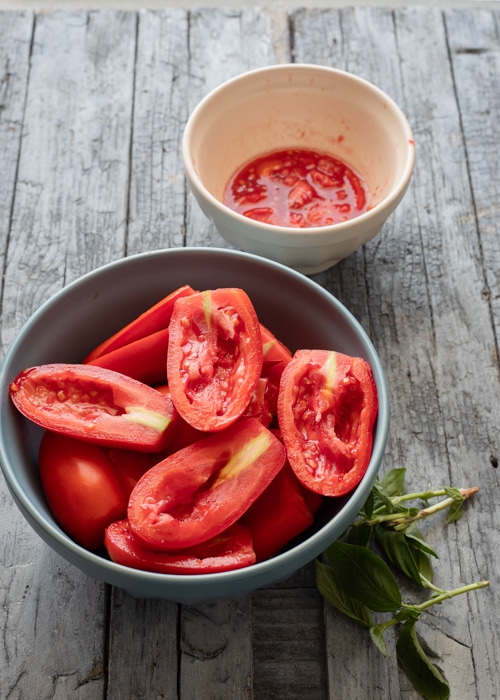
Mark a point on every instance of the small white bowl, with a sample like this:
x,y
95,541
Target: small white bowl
x,y
298,106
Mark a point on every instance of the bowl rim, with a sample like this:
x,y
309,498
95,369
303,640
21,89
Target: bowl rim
x,y
344,227
316,542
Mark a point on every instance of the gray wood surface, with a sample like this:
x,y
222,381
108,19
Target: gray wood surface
x,y
92,108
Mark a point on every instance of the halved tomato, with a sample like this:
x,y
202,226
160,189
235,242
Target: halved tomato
x,y
214,357
96,405
327,408
199,491
232,549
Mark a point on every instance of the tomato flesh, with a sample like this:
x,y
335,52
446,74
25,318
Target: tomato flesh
x,y
154,319
95,404
214,357
82,489
298,188
327,409
199,491
230,550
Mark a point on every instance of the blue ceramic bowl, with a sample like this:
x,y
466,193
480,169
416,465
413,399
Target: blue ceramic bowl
x,y
296,309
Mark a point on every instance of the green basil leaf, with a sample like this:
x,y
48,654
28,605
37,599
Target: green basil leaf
x,y
455,511
337,596
359,534
367,508
377,637
398,550
365,575
393,482
381,499
416,539
424,676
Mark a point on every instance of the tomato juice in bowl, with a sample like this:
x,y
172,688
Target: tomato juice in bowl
x,y
104,301
307,107
300,188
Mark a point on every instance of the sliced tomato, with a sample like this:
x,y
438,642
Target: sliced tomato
x,y
183,434
144,359
201,490
154,319
281,512
232,549
327,408
96,405
214,357
81,488
273,350
129,466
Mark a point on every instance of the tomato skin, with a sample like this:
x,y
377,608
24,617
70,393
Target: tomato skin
x,y
280,513
94,404
81,488
230,550
129,466
144,359
214,357
199,491
327,408
154,319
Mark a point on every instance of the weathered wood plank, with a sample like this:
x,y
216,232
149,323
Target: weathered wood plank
x,y
424,287
475,55
16,30
71,194
143,636
349,40
157,187
142,648
222,44
68,217
288,644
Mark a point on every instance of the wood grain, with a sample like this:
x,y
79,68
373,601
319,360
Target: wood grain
x,y
92,111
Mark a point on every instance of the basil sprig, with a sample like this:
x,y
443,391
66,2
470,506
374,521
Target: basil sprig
x,y
359,582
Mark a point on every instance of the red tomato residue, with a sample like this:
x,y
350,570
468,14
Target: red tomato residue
x,y
298,188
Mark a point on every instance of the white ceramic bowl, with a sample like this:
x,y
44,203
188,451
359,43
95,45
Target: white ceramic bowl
x,y
298,310
298,106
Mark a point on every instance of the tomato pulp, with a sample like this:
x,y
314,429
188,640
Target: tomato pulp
x,y
327,408
214,357
298,188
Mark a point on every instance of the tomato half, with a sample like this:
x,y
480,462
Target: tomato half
x,y
94,404
199,491
81,488
214,357
129,466
154,319
327,408
280,513
144,359
232,549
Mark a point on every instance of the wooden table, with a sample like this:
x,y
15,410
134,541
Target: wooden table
x,y
92,108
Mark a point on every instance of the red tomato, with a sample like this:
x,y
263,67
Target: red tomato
x,y
232,549
214,357
154,319
129,466
280,513
297,187
144,359
199,491
276,356
94,404
327,408
81,487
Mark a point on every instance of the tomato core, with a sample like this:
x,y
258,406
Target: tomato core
x,y
298,188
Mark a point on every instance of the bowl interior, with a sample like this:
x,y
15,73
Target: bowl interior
x,y
299,312
298,106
